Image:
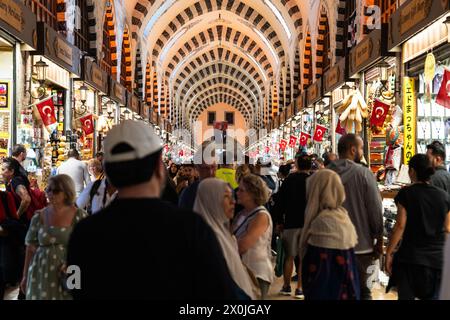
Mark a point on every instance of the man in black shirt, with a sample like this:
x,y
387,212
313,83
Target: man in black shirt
x,y
141,247
19,152
441,177
290,216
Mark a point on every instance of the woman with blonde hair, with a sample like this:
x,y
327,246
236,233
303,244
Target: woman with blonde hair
x,y
47,240
327,243
253,230
215,203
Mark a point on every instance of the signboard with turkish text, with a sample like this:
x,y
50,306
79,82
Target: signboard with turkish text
x,y
55,47
412,17
95,76
334,77
117,92
409,119
19,21
314,92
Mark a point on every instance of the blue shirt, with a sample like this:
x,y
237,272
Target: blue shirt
x,y
187,197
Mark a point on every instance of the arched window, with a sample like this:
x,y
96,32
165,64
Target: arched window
x,y
52,12
82,25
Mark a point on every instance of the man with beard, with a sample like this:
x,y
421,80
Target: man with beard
x,y
363,203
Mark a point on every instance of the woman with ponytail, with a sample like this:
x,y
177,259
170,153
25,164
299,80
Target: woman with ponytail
x,y
423,220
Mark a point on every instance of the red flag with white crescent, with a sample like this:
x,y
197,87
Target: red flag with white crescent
x,y
340,130
283,144
379,113
46,110
320,131
443,97
87,124
266,150
304,137
292,141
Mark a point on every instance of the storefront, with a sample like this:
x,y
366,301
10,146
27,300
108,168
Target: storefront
x,y
90,120
45,124
334,92
316,120
374,70
118,95
424,40
17,28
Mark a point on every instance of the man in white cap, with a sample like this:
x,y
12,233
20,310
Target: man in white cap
x,y
132,249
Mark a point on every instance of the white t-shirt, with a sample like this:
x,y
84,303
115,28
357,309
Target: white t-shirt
x,y
97,199
78,171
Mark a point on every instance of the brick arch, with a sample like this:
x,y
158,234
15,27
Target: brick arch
x,y
220,54
216,70
148,83
219,97
125,64
109,44
225,34
138,74
323,61
307,62
237,7
92,25
213,81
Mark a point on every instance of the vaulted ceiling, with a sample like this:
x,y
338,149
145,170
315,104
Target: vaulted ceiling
x,y
210,51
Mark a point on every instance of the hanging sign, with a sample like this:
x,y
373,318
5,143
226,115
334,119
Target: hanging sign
x,y
409,119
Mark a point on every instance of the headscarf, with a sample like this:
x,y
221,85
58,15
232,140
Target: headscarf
x,y
327,223
208,204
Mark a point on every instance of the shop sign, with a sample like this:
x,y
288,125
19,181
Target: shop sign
x,y
412,17
300,102
314,92
135,103
409,119
18,20
56,48
289,111
145,111
334,77
95,76
117,92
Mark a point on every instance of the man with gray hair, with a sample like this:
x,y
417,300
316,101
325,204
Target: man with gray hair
x,y
77,170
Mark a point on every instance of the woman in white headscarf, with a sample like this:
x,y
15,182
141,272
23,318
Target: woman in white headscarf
x,y
215,203
329,269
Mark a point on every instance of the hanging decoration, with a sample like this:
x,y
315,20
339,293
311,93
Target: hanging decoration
x,y
283,144
87,124
443,97
46,110
379,112
353,110
292,141
304,137
320,131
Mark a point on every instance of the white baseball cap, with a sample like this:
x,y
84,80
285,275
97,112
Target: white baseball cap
x,y
138,135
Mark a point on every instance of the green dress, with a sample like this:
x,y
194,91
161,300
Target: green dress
x,y
43,281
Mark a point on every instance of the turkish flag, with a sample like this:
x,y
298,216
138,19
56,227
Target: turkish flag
x,y
292,142
46,110
87,124
443,97
320,131
267,149
379,113
283,144
304,137
181,153
339,129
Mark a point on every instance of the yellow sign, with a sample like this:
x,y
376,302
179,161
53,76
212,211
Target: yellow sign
x,y
11,13
409,119
60,126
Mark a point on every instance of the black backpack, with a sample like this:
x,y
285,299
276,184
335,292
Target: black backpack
x,y
94,191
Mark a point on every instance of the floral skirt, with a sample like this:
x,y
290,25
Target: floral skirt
x,y
330,274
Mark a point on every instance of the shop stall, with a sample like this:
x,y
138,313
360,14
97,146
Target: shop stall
x,y
17,27
335,89
45,124
425,44
374,70
118,97
316,120
88,115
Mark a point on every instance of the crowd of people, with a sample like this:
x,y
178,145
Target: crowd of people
x,y
140,228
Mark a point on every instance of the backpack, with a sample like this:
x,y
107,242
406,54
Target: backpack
x,y
38,201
